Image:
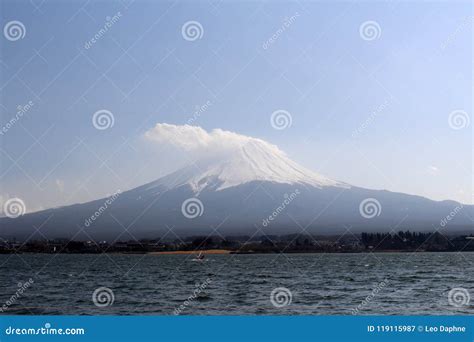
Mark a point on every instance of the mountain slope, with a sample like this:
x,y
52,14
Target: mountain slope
x,y
255,160
255,188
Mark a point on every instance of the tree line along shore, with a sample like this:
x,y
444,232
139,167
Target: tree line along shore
x,y
293,243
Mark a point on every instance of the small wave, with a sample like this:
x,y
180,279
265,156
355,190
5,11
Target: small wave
x,y
203,297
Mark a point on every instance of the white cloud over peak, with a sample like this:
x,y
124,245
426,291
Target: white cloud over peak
x,y
201,142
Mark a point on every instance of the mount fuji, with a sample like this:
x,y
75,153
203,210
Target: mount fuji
x,y
248,187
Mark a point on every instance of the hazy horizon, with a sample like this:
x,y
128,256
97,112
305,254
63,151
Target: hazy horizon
x,y
374,95
197,147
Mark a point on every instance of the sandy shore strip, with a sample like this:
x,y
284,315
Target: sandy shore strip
x,y
207,251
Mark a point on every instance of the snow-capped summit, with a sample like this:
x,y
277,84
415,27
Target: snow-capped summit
x,y
236,183
254,160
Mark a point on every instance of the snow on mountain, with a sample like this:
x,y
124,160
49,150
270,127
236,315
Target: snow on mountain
x,y
254,160
239,181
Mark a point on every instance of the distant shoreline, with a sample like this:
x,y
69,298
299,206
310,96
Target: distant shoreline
x,y
232,252
207,252
403,242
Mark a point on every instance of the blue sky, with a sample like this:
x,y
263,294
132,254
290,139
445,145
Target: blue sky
x,y
369,112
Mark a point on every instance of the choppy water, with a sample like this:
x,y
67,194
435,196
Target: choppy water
x,y
321,284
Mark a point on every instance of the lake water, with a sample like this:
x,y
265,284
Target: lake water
x,y
317,284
